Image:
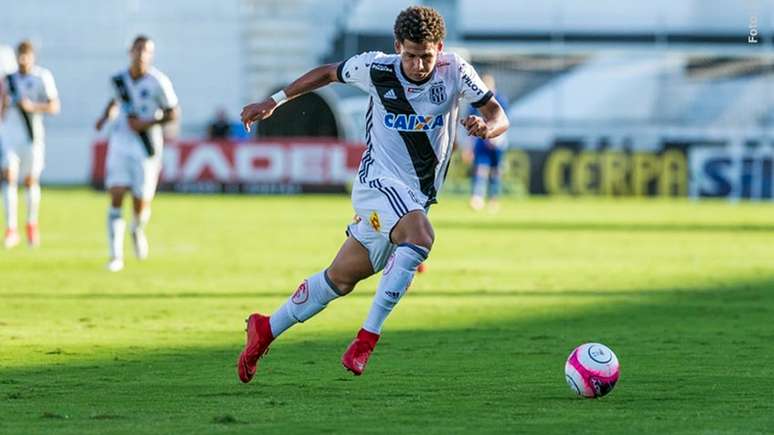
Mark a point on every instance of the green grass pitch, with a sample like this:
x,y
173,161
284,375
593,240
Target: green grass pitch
x,y
682,291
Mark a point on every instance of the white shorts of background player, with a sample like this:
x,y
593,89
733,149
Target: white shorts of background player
x,y
130,166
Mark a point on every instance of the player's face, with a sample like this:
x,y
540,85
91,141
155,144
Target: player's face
x,y
26,60
418,59
142,54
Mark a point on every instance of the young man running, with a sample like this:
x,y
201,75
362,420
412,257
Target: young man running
x,y
410,123
143,101
29,94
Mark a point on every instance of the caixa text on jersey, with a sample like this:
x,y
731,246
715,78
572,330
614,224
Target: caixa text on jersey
x,y
412,122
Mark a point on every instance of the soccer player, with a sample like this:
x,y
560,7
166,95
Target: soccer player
x,y
29,93
487,156
415,97
143,101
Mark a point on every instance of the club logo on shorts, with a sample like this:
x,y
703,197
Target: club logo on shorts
x,y
374,220
302,294
438,93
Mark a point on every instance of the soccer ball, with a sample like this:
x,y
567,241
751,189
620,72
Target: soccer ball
x,y
592,370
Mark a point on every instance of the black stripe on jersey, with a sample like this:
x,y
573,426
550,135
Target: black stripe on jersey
x,y
367,157
485,99
14,91
417,142
123,92
378,185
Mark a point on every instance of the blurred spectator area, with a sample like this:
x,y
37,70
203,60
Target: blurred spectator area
x,y
585,64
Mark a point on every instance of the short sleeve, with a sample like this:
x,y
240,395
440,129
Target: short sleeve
x,y
472,88
357,69
167,98
49,86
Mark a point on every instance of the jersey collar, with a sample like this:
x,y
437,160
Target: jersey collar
x,y
414,82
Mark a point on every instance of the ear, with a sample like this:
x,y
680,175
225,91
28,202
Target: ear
x,y
440,46
398,46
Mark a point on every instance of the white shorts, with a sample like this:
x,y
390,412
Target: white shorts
x,y
23,159
379,204
135,170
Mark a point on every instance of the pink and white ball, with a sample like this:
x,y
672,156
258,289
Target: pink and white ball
x,y
592,370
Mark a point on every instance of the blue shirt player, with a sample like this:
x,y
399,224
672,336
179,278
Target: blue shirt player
x,y
487,156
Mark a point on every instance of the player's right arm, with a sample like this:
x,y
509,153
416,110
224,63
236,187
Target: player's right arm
x,y
314,79
110,112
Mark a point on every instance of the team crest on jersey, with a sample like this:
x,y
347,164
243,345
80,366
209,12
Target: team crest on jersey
x,y
412,122
374,220
438,93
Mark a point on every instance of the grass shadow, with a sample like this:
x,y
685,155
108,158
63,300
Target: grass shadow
x,y
692,362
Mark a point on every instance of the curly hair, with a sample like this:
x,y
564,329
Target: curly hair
x,y
420,24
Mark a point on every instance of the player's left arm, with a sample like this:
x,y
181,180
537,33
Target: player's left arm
x,y
492,123
51,107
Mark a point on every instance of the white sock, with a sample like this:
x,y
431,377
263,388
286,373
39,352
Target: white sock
x,y
141,220
116,228
10,200
309,299
396,279
33,203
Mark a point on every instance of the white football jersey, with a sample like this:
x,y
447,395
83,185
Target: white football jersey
x,y
37,86
410,126
146,98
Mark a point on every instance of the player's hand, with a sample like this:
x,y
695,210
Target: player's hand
x,y
475,125
137,124
100,123
26,105
257,112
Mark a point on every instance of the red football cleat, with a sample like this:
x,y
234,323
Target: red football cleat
x,y
11,238
422,268
356,356
33,237
258,340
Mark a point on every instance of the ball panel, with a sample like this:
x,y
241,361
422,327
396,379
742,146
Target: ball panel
x,y
590,376
577,382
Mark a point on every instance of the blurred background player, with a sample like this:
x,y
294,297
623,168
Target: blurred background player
x,y
29,93
486,157
414,103
143,101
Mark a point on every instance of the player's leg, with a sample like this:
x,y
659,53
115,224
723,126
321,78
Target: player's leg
x,y
144,184
33,207
479,183
414,238
142,214
31,169
10,170
351,265
494,180
411,236
117,181
116,227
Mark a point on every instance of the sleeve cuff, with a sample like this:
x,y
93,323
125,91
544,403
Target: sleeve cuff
x,y
339,70
485,99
